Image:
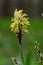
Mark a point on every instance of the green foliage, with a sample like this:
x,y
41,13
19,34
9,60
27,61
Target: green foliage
x,y
9,43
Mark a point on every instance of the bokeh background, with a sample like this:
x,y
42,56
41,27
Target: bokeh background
x,y
9,46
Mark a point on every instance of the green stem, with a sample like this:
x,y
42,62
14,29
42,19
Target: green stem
x,y
22,58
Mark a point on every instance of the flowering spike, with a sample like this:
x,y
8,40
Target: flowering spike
x,y
19,19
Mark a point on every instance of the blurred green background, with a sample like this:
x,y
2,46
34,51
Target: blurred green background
x,y
9,43
9,46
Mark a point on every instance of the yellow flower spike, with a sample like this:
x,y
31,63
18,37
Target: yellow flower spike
x,y
19,18
20,24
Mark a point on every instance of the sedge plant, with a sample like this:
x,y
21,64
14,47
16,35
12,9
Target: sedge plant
x,y
39,53
19,25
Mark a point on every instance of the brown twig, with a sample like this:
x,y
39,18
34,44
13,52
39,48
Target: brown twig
x,y
15,61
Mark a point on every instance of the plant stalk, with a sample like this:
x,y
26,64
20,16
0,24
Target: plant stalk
x,y
22,58
19,35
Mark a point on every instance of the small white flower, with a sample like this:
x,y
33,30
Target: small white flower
x,y
42,14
